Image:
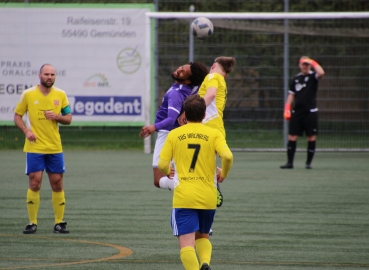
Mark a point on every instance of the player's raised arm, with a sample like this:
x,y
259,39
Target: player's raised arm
x,y
318,68
210,95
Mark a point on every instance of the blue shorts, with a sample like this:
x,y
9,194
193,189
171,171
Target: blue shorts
x,y
52,163
186,220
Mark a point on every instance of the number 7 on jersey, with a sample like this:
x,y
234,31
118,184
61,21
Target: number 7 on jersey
x,y
195,155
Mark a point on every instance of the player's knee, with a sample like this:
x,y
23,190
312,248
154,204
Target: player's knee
x,y
56,182
34,186
57,187
34,182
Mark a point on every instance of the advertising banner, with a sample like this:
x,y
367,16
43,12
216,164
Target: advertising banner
x,y
101,53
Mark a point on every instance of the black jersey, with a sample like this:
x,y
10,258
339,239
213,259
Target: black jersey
x,y
305,88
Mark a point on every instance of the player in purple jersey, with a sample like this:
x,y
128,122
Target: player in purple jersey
x,y
188,79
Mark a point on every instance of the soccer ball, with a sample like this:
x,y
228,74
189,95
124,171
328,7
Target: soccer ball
x,y
202,28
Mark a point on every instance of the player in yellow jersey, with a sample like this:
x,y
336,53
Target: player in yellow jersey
x,y
193,147
45,106
214,91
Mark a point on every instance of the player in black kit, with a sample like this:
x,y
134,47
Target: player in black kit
x,y
303,116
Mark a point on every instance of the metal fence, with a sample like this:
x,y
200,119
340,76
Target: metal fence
x,y
253,113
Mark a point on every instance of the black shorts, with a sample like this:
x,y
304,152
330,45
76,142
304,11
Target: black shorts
x,y
301,122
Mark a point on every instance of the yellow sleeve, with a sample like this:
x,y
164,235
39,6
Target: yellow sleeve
x,y
225,153
227,162
164,167
21,108
65,101
213,80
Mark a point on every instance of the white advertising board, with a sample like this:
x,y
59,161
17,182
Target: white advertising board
x,y
102,55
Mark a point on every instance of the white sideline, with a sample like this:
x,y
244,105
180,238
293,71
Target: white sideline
x,y
299,150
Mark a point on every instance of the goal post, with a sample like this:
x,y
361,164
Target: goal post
x,y
260,15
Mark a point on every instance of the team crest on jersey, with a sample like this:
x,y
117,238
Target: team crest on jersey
x,y
306,79
56,102
299,86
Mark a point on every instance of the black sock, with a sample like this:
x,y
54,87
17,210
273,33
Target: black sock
x,y
310,152
291,149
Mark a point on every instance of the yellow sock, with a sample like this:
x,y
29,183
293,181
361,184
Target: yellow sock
x,y
33,203
58,201
189,259
204,249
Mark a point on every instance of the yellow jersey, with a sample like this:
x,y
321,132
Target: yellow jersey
x,y
33,103
193,148
214,112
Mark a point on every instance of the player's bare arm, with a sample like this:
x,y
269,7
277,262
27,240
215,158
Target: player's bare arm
x,y
18,121
62,119
210,95
318,68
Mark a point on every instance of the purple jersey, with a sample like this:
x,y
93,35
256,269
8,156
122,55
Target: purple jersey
x,y
171,106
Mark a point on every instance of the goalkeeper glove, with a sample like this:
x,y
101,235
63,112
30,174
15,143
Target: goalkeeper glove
x,y
309,61
287,112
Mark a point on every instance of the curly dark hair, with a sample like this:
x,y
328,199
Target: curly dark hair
x,y
199,72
